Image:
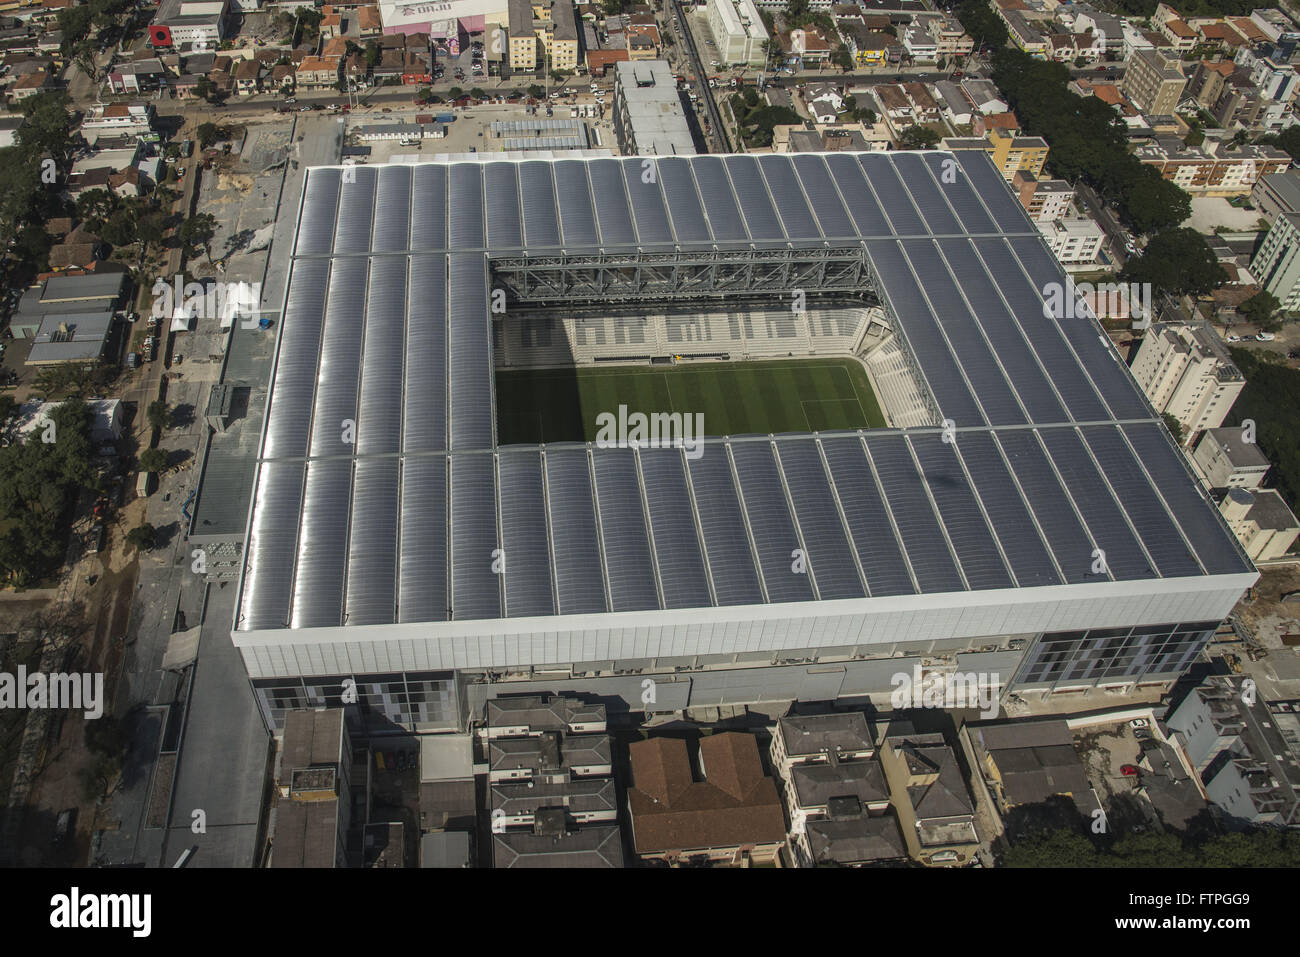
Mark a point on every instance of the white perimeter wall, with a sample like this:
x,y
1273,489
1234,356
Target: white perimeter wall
x,y
519,642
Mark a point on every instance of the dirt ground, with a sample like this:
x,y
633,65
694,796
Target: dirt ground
x,y
56,784
1267,617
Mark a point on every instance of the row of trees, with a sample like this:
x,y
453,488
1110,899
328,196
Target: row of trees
x,y
1264,848
1272,399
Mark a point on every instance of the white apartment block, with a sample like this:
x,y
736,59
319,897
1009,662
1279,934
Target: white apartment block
x,y
1185,371
1276,265
1074,242
1226,460
738,31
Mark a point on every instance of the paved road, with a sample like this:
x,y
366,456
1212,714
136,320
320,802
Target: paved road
x,y
701,79
1115,232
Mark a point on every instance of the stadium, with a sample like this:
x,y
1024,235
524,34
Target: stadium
x,y
908,462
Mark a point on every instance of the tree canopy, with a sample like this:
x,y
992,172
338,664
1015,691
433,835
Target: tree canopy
x,y
1176,262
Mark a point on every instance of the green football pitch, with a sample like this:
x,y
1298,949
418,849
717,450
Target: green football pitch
x,y
803,395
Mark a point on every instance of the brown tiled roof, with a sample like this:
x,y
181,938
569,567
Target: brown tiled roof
x,y
736,804
336,46
368,18
72,254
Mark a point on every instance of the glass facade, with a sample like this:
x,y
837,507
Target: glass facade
x,y
386,702
1114,655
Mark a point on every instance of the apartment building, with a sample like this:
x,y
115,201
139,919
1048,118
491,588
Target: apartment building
x,y
1277,193
1246,754
1029,762
950,38
1153,83
1262,522
1226,460
1276,265
928,793
1046,200
541,35
729,812
1074,242
648,115
313,815
738,32
1185,371
835,790
1214,168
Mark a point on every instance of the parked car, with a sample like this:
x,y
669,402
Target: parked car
x,y
1129,770
1139,723
1266,337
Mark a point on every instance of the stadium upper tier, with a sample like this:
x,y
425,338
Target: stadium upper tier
x,y
381,496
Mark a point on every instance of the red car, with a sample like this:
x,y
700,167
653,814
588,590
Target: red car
x,y
1129,770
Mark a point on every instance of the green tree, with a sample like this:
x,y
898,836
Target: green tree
x,y
197,232
159,415
535,91
207,134
1176,262
153,460
1174,426
918,138
478,93
1260,309
142,537
455,92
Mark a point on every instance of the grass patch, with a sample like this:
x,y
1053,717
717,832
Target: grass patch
x,y
736,398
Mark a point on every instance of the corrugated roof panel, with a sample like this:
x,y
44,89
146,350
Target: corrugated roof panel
x,y
751,190
672,523
863,206
1141,502
393,209
504,220
769,522
1030,560
475,586
322,544
465,206
829,554
470,354
927,193
832,217
339,376
579,581
623,531
959,192
921,331
272,546
726,543
537,193
320,206
422,571
868,517
294,387
379,413
719,199
797,220
1092,494
371,593
1026,301
647,199
1168,467
424,381
892,194
1013,350
991,187
959,510
612,206
910,507
356,207
1114,382
976,357
1069,540
684,205
429,221
573,192
523,534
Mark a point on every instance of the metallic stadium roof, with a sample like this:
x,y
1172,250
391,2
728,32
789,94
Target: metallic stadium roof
x,y
386,323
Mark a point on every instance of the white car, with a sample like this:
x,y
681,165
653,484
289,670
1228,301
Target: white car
x,y
1266,337
1139,723
1234,338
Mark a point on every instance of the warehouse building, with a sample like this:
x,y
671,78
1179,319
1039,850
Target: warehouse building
x,y
1036,524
